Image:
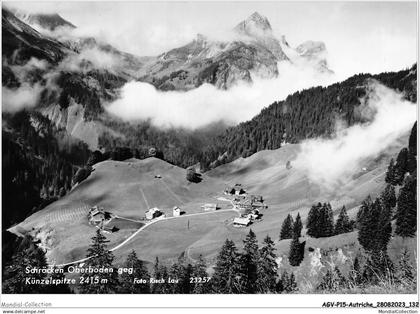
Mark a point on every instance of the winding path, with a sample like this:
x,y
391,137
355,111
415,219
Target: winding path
x,y
147,225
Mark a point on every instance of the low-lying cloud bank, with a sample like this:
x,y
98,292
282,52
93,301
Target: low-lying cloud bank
x,y
207,104
26,96
332,162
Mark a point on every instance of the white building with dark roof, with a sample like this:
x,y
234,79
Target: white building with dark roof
x,y
176,211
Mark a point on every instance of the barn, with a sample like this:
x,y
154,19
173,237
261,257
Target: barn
x,y
153,213
241,222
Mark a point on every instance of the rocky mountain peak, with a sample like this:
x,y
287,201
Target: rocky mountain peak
x,y
259,20
49,21
255,25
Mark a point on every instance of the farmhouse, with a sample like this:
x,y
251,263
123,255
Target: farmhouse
x,y
235,190
97,215
153,213
241,222
209,207
176,211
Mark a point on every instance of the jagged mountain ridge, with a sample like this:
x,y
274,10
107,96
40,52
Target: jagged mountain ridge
x,y
47,21
73,86
20,42
254,50
80,87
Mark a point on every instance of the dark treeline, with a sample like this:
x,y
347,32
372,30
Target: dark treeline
x,y
28,255
178,146
305,114
320,222
38,164
74,85
309,113
254,270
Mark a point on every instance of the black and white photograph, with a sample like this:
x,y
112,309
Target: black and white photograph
x,y
210,148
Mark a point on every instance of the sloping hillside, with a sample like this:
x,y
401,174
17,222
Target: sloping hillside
x,y
126,189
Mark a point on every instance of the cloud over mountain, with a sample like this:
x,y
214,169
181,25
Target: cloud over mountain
x,y
332,162
206,104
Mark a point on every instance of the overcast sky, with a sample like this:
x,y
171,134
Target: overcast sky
x,y
360,36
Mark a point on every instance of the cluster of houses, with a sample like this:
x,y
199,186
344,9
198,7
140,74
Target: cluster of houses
x,y
156,213
99,218
235,190
249,205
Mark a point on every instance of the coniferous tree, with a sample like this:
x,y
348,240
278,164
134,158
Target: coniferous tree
x,y
406,269
157,275
368,228
287,228
390,173
296,251
127,284
343,223
267,267
29,255
226,277
186,285
297,226
363,210
384,226
375,227
160,272
165,287
176,271
199,271
99,257
312,222
325,221
411,164
249,262
388,197
412,141
182,271
406,215
401,166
